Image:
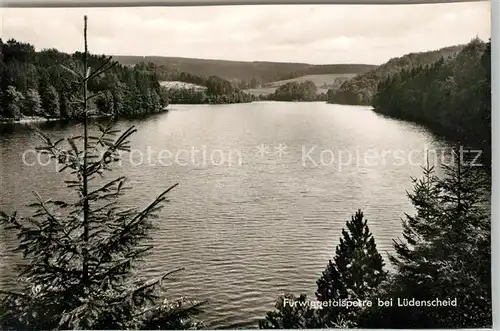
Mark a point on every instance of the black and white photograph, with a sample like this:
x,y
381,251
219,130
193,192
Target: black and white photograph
x,y
292,166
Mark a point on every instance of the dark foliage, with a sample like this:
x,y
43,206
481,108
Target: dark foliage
x,y
214,90
80,256
199,96
445,254
209,90
361,89
295,91
27,76
354,274
451,96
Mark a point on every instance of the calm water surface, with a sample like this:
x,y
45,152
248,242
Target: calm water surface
x,y
260,203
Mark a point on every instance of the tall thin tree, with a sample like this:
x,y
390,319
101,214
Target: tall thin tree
x,y
81,254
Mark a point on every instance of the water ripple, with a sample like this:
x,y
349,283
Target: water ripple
x,y
247,233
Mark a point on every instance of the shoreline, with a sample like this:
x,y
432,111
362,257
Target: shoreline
x,y
39,119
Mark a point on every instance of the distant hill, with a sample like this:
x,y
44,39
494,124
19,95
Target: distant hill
x,y
360,89
241,71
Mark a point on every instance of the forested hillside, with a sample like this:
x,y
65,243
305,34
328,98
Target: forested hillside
x,y
244,74
216,90
451,96
360,89
42,84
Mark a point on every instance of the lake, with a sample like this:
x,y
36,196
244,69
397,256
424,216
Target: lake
x,y
264,191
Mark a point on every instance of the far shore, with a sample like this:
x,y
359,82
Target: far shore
x,y
40,119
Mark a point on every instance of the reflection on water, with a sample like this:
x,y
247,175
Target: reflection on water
x,y
264,190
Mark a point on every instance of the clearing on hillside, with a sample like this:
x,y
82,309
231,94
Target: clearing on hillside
x,y
181,85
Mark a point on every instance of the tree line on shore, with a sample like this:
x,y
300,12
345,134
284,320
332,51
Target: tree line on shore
x,y
173,74
451,96
210,90
217,90
199,96
43,84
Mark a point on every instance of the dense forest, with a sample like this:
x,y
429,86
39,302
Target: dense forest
x,y
217,90
42,84
197,96
243,74
451,96
361,89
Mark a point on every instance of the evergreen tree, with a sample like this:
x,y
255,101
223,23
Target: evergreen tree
x,y
81,254
445,253
66,108
355,273
32,103
50,101
155,101
25,69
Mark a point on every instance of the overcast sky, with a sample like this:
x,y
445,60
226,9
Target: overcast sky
x,y
312,34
